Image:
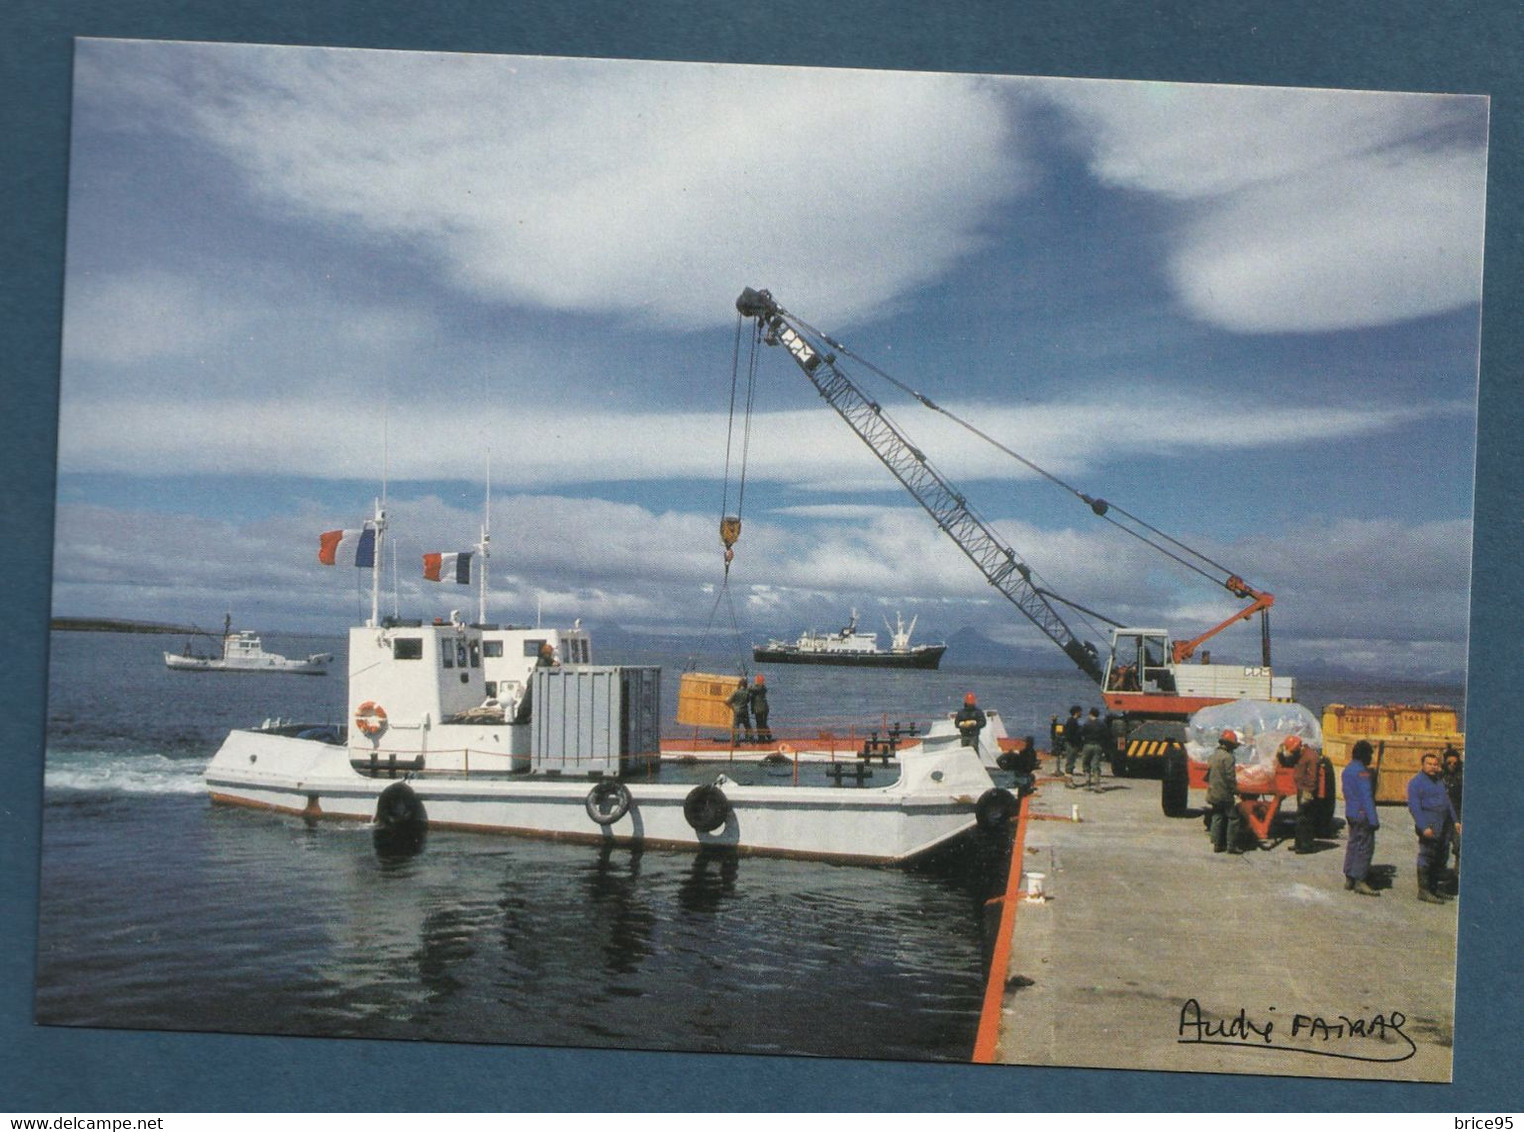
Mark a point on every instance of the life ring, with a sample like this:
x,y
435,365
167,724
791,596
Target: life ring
x,y
370,718
706,808
995,809
608,801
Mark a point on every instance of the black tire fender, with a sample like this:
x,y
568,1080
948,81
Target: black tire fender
x,y
995,809
1174,793
398,807
607,801
706,808
1327,803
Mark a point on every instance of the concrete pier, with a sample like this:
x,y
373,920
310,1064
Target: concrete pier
x,y
1149,951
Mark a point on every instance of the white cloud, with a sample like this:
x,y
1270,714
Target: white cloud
x,y
336,438
1299,210
580,185
247,329
1395,592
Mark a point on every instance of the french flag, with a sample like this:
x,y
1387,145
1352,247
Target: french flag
x,y
448,568
348,547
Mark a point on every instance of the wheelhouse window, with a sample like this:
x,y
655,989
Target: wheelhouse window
x,y
407,648
492,649
475,648
532,647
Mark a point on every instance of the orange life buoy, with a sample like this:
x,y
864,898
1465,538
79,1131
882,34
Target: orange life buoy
x,y
370,718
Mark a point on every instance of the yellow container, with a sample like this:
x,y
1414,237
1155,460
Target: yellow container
x,y
701,699
1402,734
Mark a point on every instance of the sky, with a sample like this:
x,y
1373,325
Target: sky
x,y
297,277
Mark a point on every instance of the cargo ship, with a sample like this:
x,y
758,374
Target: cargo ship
x,y
848,646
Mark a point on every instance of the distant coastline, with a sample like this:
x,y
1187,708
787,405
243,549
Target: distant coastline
x,y
114,625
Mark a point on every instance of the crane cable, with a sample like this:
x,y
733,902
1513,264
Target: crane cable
x,y
1100,507
730,523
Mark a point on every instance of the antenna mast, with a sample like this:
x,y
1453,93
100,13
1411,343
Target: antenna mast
x,y
485,547
379,521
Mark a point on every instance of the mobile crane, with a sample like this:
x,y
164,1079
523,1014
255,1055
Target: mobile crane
x,y
1146,683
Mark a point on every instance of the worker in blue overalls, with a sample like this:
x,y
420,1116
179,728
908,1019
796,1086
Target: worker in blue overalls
x,y
1433,821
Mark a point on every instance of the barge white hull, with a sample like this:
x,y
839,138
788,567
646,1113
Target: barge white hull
x,y
932,804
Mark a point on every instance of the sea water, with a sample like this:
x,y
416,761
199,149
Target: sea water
x,y
159,910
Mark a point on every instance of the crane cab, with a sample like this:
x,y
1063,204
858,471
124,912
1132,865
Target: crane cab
x,y
1143,678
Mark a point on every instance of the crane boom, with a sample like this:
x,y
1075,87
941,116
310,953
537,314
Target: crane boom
x,y
1000,565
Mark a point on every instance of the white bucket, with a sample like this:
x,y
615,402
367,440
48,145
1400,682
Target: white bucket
x,y
1033,884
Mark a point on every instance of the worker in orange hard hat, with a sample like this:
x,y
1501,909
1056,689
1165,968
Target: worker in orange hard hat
x,y
756,698
1303,761
1222,793
969,721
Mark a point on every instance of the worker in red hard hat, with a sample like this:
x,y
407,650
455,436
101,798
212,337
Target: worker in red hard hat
x,y
757,701
1222,793
969,721
1303,761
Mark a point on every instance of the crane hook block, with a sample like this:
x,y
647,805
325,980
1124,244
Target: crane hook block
x,y
730,530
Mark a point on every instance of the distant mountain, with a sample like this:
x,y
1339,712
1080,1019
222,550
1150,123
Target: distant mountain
x,y
969,648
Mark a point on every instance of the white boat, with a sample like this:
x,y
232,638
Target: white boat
x,y
851,646
242,651
570,750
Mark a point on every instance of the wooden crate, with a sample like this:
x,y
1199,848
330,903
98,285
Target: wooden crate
x,y
1401,735
701,699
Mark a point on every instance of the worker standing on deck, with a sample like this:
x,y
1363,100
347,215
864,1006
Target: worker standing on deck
x,y
757,701
1433,821
1222,793
1073,743
1024,767
1360,819
1303,761
740,714
969,721
1093,736
1452,780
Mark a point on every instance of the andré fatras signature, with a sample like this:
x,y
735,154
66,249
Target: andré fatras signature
x,y
1379,1037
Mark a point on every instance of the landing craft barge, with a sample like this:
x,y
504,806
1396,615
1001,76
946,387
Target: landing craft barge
x,y
568,751
850,647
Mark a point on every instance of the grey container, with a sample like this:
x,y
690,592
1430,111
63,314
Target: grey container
x,y
594,719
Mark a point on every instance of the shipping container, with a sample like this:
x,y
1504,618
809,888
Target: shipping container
x,y
595,720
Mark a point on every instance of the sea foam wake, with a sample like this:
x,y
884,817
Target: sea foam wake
x,y
122,774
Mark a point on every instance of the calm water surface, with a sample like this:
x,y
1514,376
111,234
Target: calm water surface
x,y
160,911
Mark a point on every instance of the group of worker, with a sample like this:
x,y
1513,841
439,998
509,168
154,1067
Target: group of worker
x,y
748,712
1081,743
1433,798
1434,803
969,721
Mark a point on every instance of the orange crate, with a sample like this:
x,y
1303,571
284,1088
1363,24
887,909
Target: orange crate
x,y
701,699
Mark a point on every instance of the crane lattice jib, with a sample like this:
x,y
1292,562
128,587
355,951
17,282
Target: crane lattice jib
x,y
999,564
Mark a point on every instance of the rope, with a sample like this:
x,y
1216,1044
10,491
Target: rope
x,y
723,592
1102,508
730,425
